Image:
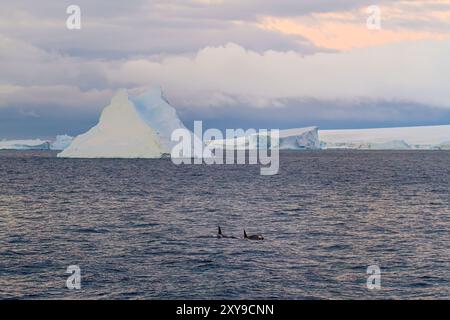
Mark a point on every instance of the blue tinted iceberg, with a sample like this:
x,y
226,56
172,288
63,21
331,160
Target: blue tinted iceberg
x,y
62,142
290,139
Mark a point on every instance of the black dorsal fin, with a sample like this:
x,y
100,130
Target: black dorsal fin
x,y
219,231
245,234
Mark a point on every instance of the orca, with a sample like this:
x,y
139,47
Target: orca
x,y
220,235
253,237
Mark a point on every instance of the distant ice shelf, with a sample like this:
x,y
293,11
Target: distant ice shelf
x,y
35,144
404,138
60,143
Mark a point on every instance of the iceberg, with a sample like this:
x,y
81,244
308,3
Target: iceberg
x,y
62,142
290,139
130,127
120,133
415,138
154,108
299,139
36,144
445,145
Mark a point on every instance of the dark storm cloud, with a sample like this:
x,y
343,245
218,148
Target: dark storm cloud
x,y
48,121
324,114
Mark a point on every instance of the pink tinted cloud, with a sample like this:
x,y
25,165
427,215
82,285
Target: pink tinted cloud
x,y
402,21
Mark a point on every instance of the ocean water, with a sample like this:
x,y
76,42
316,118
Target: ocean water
x,y
146,229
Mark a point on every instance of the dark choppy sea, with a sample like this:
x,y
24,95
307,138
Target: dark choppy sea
x,y
145,229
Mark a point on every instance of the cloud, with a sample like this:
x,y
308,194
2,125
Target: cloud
x,y
147,27
294,113
344,35
26,65
345,30
143,27
250,10
282,60
216,75
66,98
45,111
233,78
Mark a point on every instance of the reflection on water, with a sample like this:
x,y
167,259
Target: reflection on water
x,y
146,228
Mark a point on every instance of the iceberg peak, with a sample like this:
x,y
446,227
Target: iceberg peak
x,y
130,127
120,96
120,99
120,133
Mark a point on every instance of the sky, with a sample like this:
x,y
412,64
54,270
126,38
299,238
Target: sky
x,y
231,63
